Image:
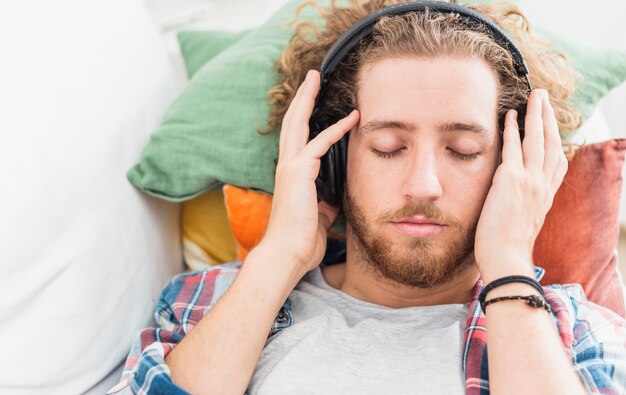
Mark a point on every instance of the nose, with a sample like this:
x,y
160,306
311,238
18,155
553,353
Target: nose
x,y
421,178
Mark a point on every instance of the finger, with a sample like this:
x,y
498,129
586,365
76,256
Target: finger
x,y
327,214
322,142
287,117
303,109
532,146
297,96
296,131
511,144
288,136
552,144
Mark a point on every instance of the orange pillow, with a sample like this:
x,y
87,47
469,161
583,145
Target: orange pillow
x,y
578,241
248,212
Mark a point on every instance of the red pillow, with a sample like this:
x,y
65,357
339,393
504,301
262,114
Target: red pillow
x,y
578,241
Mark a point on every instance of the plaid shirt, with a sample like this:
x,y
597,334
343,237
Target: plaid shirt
x,y
594,337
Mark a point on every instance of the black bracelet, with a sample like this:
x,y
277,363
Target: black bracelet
x,y
508,280
531,300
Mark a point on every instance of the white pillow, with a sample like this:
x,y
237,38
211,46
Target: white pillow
x,y
83,255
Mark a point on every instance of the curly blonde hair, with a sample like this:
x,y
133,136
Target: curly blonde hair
x,y
424,35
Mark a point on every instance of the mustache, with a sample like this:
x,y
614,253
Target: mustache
x,y
424,208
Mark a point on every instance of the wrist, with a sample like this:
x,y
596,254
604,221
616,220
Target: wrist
x,y
506,265
513,288
266,259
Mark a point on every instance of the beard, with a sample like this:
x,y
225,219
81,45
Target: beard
x,y
418,264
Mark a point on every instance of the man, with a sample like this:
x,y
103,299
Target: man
x,y
438,203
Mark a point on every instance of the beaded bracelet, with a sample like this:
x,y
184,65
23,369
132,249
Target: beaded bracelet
x,y
508,280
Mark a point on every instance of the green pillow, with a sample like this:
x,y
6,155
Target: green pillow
x,y
198,47
209,135
602,70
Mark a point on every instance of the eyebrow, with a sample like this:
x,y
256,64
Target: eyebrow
x,y
463,127
373,126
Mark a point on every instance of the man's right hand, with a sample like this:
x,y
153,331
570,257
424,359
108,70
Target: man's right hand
x,y
220,354
298,224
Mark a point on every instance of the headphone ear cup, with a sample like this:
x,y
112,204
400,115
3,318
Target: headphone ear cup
x,y
331,178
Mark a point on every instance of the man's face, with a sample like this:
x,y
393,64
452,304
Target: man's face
x,y
420,165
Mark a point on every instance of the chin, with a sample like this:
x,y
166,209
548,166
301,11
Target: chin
x,y
414,261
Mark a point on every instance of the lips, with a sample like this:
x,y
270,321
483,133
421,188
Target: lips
x,y
418,220
418,227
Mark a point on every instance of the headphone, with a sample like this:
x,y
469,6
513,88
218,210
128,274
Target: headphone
x,y
331,179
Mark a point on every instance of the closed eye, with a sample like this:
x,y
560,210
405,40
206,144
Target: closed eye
x,y
384,154
456,154
463,156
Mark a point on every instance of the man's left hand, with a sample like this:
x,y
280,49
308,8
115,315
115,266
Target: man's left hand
x,y
522,192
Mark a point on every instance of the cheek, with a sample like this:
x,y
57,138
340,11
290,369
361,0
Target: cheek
x,y
356,171
365,171
367,180
469,189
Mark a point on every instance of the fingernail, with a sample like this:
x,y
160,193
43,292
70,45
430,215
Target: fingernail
x,y
308,75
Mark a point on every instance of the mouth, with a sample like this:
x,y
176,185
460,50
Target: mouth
x,y
418,226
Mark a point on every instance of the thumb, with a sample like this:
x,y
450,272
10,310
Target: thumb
x,y
327,214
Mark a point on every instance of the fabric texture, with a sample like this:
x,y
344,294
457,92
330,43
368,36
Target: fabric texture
x,y
593,337
342,345
198,47
602,69
83,254
209,136
248,214
207,239
578,241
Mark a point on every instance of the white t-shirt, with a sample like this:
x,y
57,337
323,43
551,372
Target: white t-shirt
x,y
341,345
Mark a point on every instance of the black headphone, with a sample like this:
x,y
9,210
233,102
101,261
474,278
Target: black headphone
x,y
331,179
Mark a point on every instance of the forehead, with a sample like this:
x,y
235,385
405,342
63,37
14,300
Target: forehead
x,y
426,92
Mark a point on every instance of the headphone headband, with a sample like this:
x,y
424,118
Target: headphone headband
x,y
363,29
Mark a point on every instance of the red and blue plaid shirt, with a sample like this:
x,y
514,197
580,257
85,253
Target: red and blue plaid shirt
x,y
594,337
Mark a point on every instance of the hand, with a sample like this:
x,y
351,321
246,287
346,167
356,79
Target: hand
x,y
522,192
298,224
